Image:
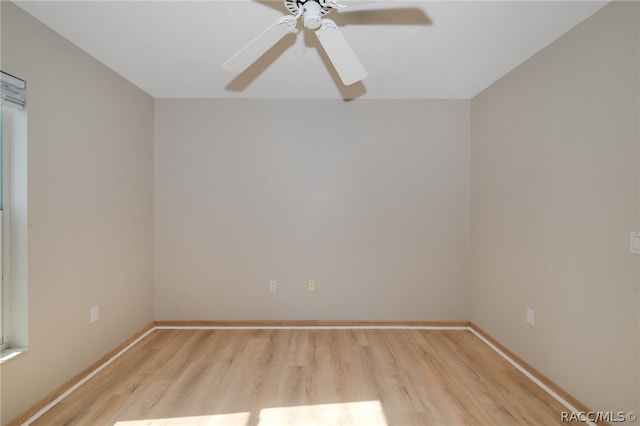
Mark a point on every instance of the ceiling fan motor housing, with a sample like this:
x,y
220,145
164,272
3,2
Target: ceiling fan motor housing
x,y
312,11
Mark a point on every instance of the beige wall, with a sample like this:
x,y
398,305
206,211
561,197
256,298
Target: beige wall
x,y
554,195
90,197
370,199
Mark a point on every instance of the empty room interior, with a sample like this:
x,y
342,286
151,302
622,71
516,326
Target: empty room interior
x,y
457,226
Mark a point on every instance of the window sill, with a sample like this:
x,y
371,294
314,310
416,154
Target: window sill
x,y
8,354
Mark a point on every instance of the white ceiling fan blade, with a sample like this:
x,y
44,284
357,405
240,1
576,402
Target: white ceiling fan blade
x,y
360,5
260,45
340,53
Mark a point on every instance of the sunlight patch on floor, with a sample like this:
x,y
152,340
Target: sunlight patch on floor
x,y
231,419
365,413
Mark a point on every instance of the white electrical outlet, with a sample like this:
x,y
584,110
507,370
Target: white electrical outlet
x,y
95,314
531,316
273,286
311,285
634,240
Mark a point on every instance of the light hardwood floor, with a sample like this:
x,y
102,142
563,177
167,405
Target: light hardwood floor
x,y
308,377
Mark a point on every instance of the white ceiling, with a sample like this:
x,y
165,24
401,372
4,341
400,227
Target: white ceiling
x,y
425,49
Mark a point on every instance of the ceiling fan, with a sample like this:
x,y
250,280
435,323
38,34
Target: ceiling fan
x,y
340,53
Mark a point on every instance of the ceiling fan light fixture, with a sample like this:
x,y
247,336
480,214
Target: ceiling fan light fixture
x,y
312,14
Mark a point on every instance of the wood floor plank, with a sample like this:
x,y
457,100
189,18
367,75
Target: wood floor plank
x,y
296,377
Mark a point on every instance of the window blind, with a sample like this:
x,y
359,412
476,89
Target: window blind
x,y
13,90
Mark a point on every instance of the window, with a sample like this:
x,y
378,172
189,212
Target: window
x,y
13,202
2,169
